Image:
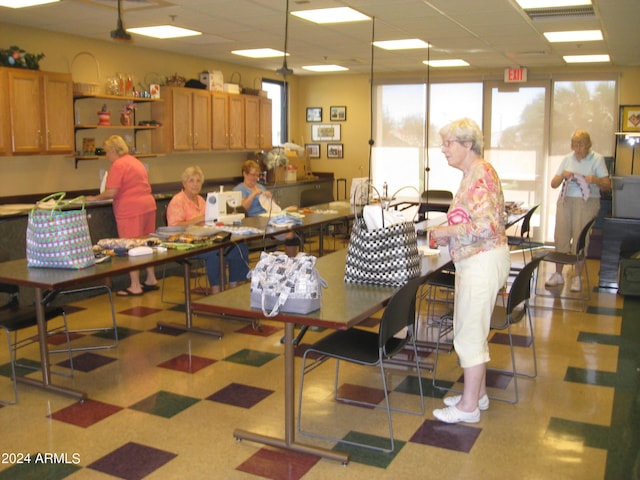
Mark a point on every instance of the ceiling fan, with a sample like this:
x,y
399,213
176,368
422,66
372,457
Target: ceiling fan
x,y
120,33
285,70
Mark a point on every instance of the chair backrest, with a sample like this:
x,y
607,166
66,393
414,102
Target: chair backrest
x,y
439,196
525,228
399,313
315,196
521,287
582,239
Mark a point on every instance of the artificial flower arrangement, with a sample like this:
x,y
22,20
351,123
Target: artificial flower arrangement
x,y
16,57
275,158
128,108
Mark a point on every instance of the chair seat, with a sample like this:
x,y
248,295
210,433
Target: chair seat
x,y
23,317
558,257
355,345
500,318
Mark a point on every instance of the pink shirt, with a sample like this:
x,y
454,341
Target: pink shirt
x,y
128,175
476,215
181,209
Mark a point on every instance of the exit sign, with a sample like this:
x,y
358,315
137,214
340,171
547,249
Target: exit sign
x,y
515,75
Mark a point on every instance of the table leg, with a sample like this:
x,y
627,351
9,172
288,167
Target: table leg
x,y
188,326
289,443
44,357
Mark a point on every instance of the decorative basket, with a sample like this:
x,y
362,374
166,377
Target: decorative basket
x,y
86,88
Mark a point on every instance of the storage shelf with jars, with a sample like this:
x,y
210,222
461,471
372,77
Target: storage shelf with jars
x,y
99,116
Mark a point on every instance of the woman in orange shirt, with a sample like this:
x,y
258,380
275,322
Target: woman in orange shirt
x,y
133,204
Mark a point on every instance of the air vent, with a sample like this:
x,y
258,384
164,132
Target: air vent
x,y
563,12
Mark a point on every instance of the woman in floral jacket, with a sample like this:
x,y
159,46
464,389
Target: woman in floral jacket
x,y
476,238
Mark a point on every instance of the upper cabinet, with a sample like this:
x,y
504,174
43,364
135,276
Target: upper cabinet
x,y
5,145
40,112
257,122
186,116
236,121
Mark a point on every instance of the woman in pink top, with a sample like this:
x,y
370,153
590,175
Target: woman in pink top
x,y
188,208
477,243
133,204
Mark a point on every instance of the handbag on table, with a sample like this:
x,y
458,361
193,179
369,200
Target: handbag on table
x,y
280,283
383,250
59,238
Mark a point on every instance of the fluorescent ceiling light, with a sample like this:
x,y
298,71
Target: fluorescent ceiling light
x,y
325,68
453,62
586,58
331,15
533,4
24,3
259,53
574,36
407,44
164,31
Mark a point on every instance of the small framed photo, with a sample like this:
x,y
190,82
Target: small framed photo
x,y
313,150
335,150
337,114
630,121
314,114
325,133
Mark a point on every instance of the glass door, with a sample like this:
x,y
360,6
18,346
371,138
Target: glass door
x,y
516,144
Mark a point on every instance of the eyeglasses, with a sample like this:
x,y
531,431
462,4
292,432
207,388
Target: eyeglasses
x,y
448,143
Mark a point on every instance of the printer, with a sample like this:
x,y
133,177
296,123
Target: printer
x,y
223,207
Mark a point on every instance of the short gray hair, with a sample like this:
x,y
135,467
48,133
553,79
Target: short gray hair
x,y
465,130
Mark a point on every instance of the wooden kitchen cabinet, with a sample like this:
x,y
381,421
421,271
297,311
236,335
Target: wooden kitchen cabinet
x,y
40,112
236,122
257,122
186,114
4,114
220,120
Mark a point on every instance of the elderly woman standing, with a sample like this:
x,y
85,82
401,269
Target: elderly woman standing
x,y
133,204
188,208
476,238
583,173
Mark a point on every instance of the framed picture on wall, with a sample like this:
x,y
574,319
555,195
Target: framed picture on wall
x,y
313,150
337,114
325,132
314,114
630,121
335,150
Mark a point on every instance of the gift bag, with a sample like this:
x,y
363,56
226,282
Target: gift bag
x,y
58,238
280,283
386,256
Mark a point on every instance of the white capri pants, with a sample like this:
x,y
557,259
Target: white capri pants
x,y
479,278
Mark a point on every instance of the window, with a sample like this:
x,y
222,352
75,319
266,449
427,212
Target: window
x,y
527,128
277,92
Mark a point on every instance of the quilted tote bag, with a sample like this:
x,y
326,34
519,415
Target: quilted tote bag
x,y
386,256
280,283
58,237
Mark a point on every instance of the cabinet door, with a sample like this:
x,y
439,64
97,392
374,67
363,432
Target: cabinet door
x,y
236,121
201,100
25,111
4,113
266,129
252,122
220,120
182,119
58,120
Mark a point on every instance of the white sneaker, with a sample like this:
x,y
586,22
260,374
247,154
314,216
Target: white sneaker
x,y
554,280
483,401
576,284
453,415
